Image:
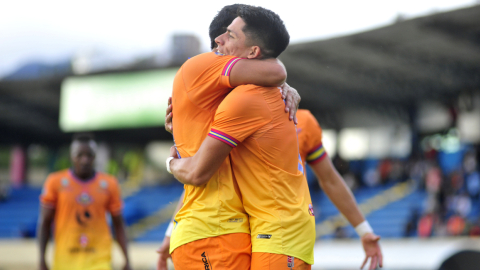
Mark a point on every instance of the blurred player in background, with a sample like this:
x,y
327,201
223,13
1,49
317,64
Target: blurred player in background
x,y
312,152
77,200
212,228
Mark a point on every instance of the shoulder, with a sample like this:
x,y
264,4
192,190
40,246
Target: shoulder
x,y
245,101
246,96
306,119
107,177
57,176
206,59
304,115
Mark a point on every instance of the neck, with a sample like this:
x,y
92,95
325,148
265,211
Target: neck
x,y
84,176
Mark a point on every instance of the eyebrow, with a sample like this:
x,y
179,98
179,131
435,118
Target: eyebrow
x,y
230,31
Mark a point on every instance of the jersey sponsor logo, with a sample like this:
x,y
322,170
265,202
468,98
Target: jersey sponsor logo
x,y
235,220
264,236
310,210
84,199
206,261
103,184
290,262
83,217
65,182
83,240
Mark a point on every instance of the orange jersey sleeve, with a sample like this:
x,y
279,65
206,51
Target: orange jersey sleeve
x,y
206,78
115,203
309,137
198,89
239,115
49,195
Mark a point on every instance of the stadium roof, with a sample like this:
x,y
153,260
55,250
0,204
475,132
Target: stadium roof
x,y
387,70
390,68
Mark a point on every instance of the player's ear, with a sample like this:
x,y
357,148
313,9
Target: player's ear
x,y
254,52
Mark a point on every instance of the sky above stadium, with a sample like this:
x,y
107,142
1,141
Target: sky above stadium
x,y
53,30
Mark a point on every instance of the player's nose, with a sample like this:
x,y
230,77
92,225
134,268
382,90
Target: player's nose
x,y
219,39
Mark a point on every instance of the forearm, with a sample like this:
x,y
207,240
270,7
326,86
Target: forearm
x,y
43,232
186,171
121,237
267,72
342,198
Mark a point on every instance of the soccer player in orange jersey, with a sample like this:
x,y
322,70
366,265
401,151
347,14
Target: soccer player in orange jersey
x,y
312,152
212,228
77,200
274,193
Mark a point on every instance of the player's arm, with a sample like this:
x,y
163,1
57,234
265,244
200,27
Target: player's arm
x,y
268,72
43,232
164,249
197,170
121,236
334,186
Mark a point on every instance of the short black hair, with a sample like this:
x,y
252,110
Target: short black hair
x,y
222,20
265,29
83,137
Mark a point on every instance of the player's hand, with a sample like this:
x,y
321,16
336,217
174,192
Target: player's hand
x,y
372,251
164,254
173,152
169,117
292,100
43,265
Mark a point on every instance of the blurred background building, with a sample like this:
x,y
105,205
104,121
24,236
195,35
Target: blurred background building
x,y
399,106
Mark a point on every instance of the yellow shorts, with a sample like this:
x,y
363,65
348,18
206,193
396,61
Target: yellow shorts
x,y
271,261
224,252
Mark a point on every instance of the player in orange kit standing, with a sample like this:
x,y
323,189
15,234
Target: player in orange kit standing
x,y
313,152
77,200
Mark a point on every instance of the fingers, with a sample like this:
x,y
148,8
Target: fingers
x,y
169,100
380,259
293,113
373,263
295,120
288,105
364,262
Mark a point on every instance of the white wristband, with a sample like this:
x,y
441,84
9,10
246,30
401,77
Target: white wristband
x,y
363,228
169,230
168,164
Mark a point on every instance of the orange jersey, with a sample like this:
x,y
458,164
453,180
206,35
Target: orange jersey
x,y
215,208
309,137
268,170
82,235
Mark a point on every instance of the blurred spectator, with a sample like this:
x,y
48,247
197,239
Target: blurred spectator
x,y
411,226
351,181
473,185
460,204
425,225
340,233
416,172
433,179
384,169
371,178
475,228
397,172
455,225
456,181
